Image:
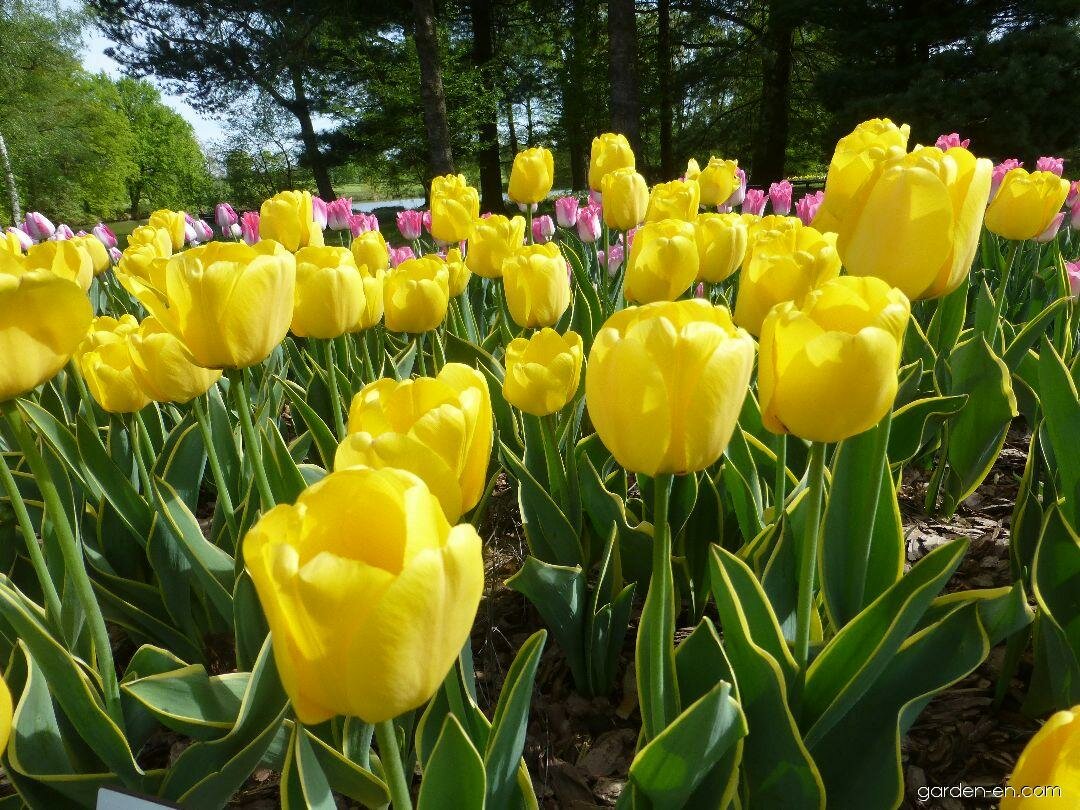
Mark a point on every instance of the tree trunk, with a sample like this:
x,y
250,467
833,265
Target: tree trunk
x,y
575,102
313,156
491,195
770,153
511,125
432,94
667,107
9,179
622,35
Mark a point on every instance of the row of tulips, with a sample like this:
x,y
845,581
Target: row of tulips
x,y
290,445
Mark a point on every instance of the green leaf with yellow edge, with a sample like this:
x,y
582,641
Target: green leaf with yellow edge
x,y
454,777
1061,405
190,701
914,425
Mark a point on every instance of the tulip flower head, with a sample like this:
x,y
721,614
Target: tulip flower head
x,y
721,245
537,285
1073,271
225,217
104,235
663,261
543,229
739,192
21,238
494,239
718,181
780,197
588,223
416,295
99,256
754,201
610,152
1049,758
828,367
459,272
531,176
665,383
693,170
1026,204
678,199
566,211
369,593
626,198
249,227
543,371
319,214
455,207
370,251
439,428
66,258
62,233
410,224
104,360
1054,165
338,213
1074,213
38,226
399,254
1000,170
333,296
173,223
289,218
807,206
613,259
950,141
162,366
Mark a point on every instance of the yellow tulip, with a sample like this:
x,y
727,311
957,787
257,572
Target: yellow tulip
x,y
858,156
66,258
99,256
663,261
163,367
416,295
1025,204
5,715
675,200
459,272
9,243
173,223
721,244
537,285
665,383
158,239
693,169
543,371
626,198
369,593
718,181
288,218
230,304
782,263
105,362
43,319
829,365
532,175
369,249
1050,759
455,207
439,428
493,240
331,294
610,152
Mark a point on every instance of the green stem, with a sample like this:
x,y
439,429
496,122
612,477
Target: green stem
x,y
335,395
84,392
881,451
238,386
555,470
73,560
33,548
202,416
999,298
780,482
135,427
419,340
392,768
369,366
528,224
808,552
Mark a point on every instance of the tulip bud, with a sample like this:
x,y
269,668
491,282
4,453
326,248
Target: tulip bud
x,y
626,198
1074,194
950,141
288,217
739,193
543,371
1074,214
784,261
588,223
99,256
66,258
1073,271
663,262
693,170
566,211
338,214
63,232
369,250
536,285
754,201
1054,165
104,235
614,258
493,240
163,367
400,254
21,238
115,255
1026,204
173,223
410,224
721,245
416,295
675,200
249,227
1000,170
368,591
1052,229
437,428
460,274
665,383
610,152
38,226
455,207
543,229
718,181
332,294
225,217
1049,759
104,360
43,319
807,207
780,197
531,176
319,213
235,231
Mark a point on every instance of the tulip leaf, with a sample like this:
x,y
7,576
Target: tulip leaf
x,y
344,775
321,435
862,540
304,786
1055,571
1027,518
250,627
916,423
64,443
141,624
1061,404
859,755
1029,335
948,319
670,768
551,536
777,769
454,775
190,702
286,480
857,655
605,510
182,461
917,346
741,484
507,739
1002,611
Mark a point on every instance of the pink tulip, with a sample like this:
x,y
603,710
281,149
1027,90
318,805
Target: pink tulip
x,y
400,254
225,217
754,201
249,227
203,232
780,197
191,237
318,212
1073,269
596,198
739,194
806,208
566,211
1074,214
235,230
543,229
616,254
951,141
588,223
338,213
699,290
410,224
1074,194
115,255
25,242
38,226
104,235
1051,229
427,221
62,233
1054,165
362,223
999,173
